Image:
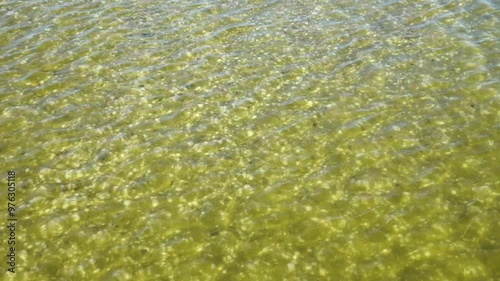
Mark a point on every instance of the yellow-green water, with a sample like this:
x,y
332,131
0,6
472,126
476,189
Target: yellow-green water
x,y
252,140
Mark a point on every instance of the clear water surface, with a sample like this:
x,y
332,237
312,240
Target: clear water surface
x,y
252,140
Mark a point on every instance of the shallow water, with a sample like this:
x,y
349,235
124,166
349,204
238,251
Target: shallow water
x,y
252,140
